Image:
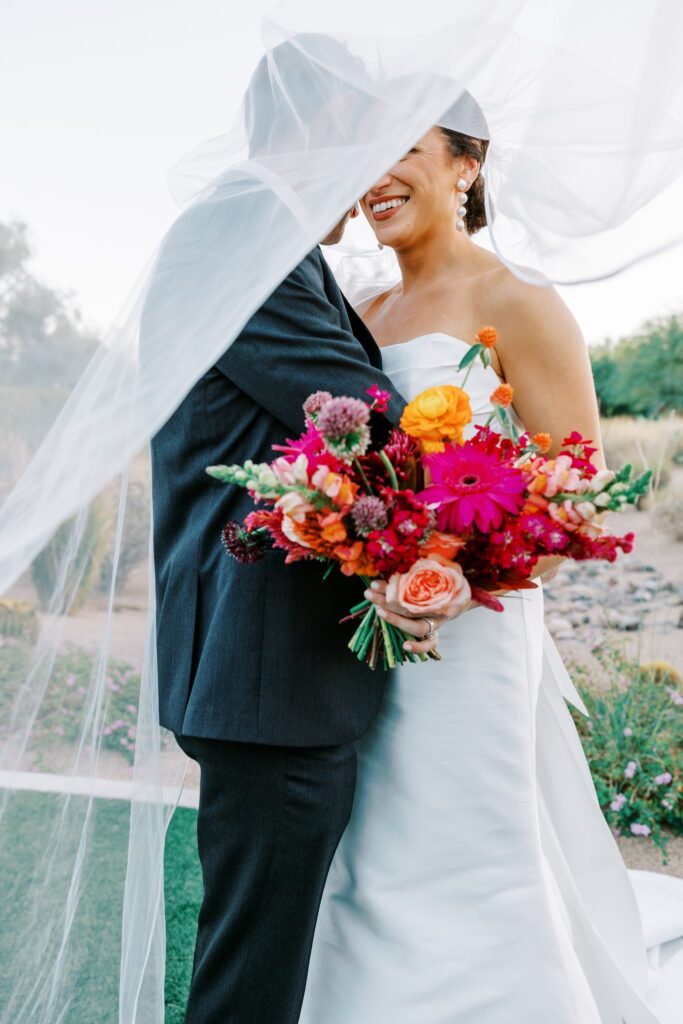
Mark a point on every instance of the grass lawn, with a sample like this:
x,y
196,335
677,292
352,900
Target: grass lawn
x,y
93,960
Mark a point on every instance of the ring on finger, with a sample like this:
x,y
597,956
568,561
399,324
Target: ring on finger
x,y
429,635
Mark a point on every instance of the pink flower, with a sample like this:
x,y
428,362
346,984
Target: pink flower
x,y
640,830
630,769
315,402
628,731
429,586
618,802
381,398
664,779
472,487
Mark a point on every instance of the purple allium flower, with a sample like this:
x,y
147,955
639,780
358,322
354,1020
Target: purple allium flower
x,y
618,802
368,514
628,731
630,769
664,779
343,416
244,545
640,830
315,402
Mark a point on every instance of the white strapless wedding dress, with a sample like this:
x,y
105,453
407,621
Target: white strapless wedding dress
x,y
477,881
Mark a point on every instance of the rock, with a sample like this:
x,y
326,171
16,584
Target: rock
x,y
562,629
580,592
680,621
619,620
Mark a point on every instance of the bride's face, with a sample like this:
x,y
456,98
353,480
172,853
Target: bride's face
x,y
421,189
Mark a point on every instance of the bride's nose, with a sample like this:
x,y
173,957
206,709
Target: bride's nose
x,y
380,184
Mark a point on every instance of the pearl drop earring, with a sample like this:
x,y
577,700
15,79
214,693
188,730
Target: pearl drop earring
x,y
462,199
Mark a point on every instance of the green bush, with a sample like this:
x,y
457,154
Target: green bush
x,y
633,742
641,375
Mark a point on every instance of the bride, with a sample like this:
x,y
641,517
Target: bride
x,y
478,882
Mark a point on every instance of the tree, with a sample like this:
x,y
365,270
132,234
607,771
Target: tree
x,y
43,342
642,375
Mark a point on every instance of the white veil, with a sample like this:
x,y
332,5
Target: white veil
x,y
584,104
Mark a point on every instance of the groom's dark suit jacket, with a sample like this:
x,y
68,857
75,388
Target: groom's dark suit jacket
x,y
256,652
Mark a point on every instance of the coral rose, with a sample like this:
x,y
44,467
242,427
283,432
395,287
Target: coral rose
x,y
436,415
429,587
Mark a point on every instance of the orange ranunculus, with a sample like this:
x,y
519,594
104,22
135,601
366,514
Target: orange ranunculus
x,y
502,395
441,545
429,586
487,336
542,442
438,414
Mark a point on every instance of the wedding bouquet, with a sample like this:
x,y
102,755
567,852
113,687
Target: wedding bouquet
x,y
443,519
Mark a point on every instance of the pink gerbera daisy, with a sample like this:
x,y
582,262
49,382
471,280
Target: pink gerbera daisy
x,y
472,487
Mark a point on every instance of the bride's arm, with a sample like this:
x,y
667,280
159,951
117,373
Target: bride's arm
x,y
545,358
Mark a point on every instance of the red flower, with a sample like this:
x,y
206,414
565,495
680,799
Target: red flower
x,y
472,487
380,398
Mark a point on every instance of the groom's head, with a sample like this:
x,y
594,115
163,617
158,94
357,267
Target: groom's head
x,y
304,96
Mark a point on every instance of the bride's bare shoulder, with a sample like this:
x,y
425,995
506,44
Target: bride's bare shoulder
x,y
527,314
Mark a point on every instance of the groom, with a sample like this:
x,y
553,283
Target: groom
x,y
255,679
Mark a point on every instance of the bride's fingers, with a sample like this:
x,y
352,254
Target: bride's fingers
x,y
422,646
379,600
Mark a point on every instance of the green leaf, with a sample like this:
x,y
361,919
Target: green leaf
x,y
470,356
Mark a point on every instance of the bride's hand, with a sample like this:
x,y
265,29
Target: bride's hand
x,y
416,625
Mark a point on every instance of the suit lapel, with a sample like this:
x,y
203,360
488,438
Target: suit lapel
x,y
358,328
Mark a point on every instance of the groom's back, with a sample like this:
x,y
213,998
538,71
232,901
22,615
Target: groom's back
x,y
255,652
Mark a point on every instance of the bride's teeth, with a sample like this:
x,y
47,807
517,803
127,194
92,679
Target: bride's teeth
x,y
381,207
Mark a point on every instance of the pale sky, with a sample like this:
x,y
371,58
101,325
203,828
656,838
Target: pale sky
x,y
101,97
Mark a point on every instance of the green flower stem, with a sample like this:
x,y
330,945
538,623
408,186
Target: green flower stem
x,y
362,474
388,646
390,469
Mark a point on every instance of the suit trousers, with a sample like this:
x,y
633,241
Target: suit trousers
x,y
269,821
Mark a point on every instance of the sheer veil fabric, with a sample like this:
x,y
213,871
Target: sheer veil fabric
x,y
584,104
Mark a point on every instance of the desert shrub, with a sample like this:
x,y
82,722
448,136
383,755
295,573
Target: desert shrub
x,y
18,619
668,513
633,742
61,710
83,569
645,444
135,537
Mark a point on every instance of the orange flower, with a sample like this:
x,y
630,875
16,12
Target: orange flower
x,y
333,529
441,545
429,586
503,395
438,414
355,560
542,442
487,336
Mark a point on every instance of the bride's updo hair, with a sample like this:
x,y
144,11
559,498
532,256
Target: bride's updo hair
x,y
465,145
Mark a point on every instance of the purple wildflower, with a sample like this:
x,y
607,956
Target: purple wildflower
x,y
640,830
315,402
368,514
630,769
618,802
628,731
664,779
676,695
245,545
343,422
342,416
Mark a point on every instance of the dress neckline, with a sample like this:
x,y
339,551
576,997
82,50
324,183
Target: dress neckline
x,y
421,337
437,334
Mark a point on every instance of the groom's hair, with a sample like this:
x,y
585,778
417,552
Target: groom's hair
x,y
293,85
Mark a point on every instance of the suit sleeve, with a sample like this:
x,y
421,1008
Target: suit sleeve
x,y
295,345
